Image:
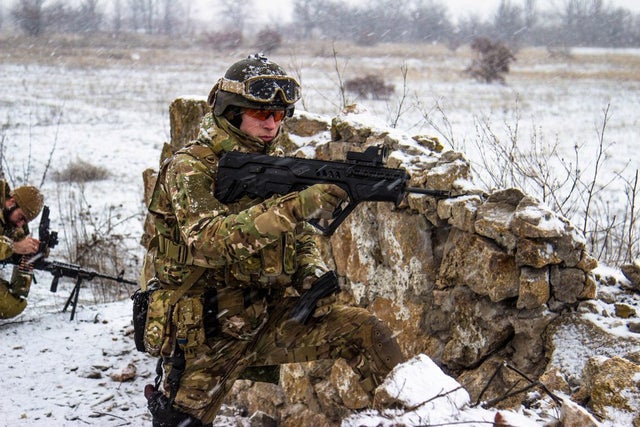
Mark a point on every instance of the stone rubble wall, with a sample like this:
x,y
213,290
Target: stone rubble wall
x,y
473,281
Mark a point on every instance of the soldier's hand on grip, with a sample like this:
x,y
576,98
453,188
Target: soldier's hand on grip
x,y
320,201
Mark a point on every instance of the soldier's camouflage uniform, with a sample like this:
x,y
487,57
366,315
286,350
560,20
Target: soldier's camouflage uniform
x,y
13,293
235,314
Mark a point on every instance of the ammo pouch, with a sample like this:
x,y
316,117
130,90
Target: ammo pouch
x,y
158,320
20,283
152,313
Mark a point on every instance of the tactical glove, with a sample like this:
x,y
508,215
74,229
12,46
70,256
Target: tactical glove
x,y
283,214
319,201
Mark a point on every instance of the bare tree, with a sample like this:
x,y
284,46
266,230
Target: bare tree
x,y
235,12
143,14
117,16
29,16
429,21
508,24
172,9
90,17
305,13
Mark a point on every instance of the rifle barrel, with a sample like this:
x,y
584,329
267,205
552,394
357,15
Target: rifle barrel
x,y
429,192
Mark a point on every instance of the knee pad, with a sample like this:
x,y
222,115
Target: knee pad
x,y
10,305
384,347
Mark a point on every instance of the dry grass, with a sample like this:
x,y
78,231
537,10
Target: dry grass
x,y
430,61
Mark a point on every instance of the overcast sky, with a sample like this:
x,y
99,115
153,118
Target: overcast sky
x,y
273,10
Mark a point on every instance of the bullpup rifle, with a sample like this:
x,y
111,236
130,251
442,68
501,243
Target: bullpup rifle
x,y
362,176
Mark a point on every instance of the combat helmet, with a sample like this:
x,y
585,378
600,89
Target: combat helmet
x,y
30,199
256,83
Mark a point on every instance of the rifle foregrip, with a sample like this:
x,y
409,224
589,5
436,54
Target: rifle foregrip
x,y
325,286
54,284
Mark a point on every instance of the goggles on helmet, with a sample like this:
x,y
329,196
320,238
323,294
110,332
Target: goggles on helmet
x,y
264,88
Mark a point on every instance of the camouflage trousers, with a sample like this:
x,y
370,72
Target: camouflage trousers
x,y
11,304
212,365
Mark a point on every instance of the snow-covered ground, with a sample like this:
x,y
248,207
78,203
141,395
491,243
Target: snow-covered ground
x,y
59,372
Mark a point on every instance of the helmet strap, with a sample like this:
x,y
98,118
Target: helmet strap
x,y
234,115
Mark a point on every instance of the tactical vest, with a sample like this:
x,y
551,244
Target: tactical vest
x,y
274,265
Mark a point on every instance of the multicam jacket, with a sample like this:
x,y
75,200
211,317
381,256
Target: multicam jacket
x,y
8,233
195,229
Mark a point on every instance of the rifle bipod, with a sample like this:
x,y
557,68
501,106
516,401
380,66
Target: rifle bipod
x,y
73,297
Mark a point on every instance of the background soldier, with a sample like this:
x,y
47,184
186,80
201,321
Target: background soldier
x,y
19,207
222,270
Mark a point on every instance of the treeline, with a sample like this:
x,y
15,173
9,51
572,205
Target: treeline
x,y
515,22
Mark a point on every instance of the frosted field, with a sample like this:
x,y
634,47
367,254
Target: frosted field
x,y
109,107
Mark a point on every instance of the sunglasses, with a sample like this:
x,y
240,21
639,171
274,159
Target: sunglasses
x,y
263,115
264,88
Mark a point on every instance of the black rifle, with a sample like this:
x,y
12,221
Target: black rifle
x,y
325,286
362,176
48,240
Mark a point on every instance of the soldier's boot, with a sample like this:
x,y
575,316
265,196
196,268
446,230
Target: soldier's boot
x,y
164,414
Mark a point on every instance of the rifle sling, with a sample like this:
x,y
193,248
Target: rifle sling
x,y
186,284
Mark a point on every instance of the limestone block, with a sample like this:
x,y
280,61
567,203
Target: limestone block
x,y
349,131
306,125
613,387
555,381
185,115
574,415
298,415
494,217
567,284
624,311
590,290
632,273
480,264
330,402
536,253
346,382
430,142
297,386
587,262
460,212
478,327
534,288
445,173
532,219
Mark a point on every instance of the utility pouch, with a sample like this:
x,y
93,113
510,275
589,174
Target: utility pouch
x,y
20,283
157,321
187,316
140,307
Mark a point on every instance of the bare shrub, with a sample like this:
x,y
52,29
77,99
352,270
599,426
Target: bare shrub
x,y
492,60
81,171
268,40
370,87
222,40
100,241
572,186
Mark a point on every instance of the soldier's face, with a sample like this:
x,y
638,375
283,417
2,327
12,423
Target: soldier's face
x,y
18,219
263,124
